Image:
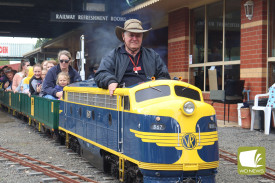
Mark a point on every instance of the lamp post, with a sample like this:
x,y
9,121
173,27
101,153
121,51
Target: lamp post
x,y
248,7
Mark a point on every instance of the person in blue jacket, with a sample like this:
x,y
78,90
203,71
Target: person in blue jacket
x,y
130,63
49,83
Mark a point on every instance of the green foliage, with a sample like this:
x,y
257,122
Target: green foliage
x,y
4,62
41,41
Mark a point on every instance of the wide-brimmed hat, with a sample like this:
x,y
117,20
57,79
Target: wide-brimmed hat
x,y
131,25
8,69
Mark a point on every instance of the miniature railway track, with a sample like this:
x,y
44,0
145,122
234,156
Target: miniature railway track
x,y
17,158
269,174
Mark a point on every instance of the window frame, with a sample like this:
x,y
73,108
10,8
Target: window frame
x,y
205,64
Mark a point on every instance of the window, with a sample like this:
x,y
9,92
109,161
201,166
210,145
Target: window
x,y
215,31
232,30
152,92
126,102
197,34
197,77
187,93
215,42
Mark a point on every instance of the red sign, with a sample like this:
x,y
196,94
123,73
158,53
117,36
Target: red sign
x,y
4,49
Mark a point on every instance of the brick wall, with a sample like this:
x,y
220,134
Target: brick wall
x,y
254,48
178,43
253,51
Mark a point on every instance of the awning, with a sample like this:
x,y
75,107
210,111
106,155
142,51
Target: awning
x,y
37,50
166,6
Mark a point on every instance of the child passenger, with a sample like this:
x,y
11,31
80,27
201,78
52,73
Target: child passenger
x,y
63,79
36,80
43,74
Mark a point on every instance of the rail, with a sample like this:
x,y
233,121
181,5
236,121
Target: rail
x,y
5,153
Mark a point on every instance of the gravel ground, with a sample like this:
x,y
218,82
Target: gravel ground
x,y
230,139
17,135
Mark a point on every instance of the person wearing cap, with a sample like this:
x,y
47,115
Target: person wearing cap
x,y
93,70
130,63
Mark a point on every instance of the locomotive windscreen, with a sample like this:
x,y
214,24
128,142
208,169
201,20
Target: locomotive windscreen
x,y
152,92
187,92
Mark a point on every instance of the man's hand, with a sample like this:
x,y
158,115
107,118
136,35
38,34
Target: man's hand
x,y
112,88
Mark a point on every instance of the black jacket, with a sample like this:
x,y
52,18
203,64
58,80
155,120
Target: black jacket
x,y
114,65
34,82
51,77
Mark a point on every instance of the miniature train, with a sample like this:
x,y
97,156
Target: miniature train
x,y
157,131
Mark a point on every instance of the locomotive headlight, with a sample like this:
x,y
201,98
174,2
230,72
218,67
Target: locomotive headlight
x,y
188,108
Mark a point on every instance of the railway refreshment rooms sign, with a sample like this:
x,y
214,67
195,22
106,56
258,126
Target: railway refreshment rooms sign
x,y
88,18
4,50
251,160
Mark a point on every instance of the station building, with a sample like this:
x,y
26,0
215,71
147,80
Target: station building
x,y
193,37
13,51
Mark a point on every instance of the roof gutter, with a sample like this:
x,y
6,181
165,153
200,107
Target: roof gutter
x,y
140,6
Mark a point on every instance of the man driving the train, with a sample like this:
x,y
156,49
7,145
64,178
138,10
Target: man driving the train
x,y
130,63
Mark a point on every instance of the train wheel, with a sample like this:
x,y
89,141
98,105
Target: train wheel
x,y
132,173
62,137
56,137
106,163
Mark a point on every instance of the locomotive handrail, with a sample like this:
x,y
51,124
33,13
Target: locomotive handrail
x,y
199,134
178,134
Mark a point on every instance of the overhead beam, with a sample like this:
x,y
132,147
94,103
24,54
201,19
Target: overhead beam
x,y
16,4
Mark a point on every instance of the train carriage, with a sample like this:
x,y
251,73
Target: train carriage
x,y
44,113
158,131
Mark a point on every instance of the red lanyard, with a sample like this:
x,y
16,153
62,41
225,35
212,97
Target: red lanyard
x,y
133,61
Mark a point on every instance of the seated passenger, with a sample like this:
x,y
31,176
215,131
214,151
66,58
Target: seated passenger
x,y
49,83
43,74
19,75
93,70
3,78
20,86
8,82
36,80
63,79
50,64
44,65
26,81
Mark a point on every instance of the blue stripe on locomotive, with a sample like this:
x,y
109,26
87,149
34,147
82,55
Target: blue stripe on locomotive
x,y
99,130
208,153
150,151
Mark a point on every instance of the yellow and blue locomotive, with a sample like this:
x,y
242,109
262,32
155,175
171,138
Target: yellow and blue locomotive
x,y
157,131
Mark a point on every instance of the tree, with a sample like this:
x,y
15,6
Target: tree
x,y
41,41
